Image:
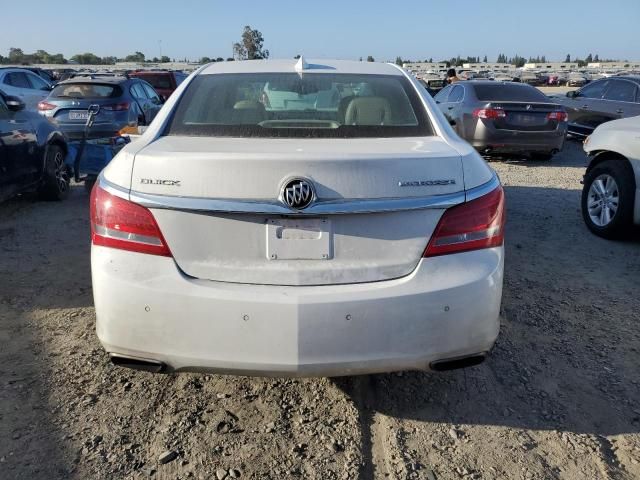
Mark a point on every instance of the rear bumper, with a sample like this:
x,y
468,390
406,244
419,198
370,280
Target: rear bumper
x,y
516,141
147,309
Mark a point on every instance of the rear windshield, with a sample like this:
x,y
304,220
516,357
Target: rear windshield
x,y
293,105
508,93
86,90
162,82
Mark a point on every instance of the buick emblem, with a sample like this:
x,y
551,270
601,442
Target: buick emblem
x,y
298,193
528,107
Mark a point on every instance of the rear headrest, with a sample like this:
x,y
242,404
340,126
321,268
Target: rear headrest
x,y
368,111
248,112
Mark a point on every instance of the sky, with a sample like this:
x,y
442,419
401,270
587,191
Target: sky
x,y
345,29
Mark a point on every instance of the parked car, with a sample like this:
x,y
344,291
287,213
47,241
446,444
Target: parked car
x,y
32,152
601,101
123,103
505,118
530,78
46,75
163,81
26,85
576,80
611,191
363,236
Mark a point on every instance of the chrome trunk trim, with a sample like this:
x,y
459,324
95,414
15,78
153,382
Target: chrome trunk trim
x,y
274,207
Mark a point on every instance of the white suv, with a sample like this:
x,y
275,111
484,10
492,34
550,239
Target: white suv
x,y
345,231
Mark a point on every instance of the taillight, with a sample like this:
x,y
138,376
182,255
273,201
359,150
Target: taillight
x,y
489,113
116,107
558,116
44,106
118,223
470,226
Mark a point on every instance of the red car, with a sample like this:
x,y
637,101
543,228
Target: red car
x,y
163,81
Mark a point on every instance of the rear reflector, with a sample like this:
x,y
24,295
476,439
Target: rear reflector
x,y
470,226
44,106
118,223
489,113
558,116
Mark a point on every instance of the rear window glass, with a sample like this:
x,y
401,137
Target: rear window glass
x,y
508,93
158,81
86,90
293,105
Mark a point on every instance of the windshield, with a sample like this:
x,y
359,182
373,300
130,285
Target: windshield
x,y
293,105
86,90
508,93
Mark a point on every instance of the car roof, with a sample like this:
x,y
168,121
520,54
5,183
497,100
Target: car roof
x,y
311,66
633,78
115,80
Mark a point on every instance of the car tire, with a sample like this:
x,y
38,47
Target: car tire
x,y
56,181
610,182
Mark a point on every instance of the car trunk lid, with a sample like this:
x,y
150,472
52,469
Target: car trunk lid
x,y
213,184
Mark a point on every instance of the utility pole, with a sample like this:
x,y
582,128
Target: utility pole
x,y
160,45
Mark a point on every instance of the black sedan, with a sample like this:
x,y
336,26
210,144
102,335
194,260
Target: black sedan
x,y
32,153
601,101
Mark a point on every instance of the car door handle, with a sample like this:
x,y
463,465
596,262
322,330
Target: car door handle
x,y
619,111
585,107
450,108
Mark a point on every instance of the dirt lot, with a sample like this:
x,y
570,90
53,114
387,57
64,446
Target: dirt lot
x,y
558,398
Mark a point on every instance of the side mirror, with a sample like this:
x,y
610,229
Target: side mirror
x,y
14,103
452,122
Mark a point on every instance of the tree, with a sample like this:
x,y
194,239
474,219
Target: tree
x,y
596,59
205,60
568,59
250,46
219,59
399,61
230,59
87,59
370,59
296,57
589,59
16,55
485,59
164,59
137,57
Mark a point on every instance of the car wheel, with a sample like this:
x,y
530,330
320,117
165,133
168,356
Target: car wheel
x,y
607,198
56,178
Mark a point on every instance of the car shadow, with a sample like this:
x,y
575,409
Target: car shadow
x,y
566,356
572,155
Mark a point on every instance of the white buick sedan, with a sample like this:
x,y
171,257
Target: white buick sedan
x,y
298,218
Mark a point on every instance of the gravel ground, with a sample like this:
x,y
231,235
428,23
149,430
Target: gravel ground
x,y
558,398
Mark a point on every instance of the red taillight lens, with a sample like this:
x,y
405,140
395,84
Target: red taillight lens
x,y
116,107
489,113
470,226
118,223
558,116
44,106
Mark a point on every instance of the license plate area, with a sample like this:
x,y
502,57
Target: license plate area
x,y
299,239
528,120
78,115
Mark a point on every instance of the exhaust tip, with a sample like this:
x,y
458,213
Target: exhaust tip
x,y
456,363
137,363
